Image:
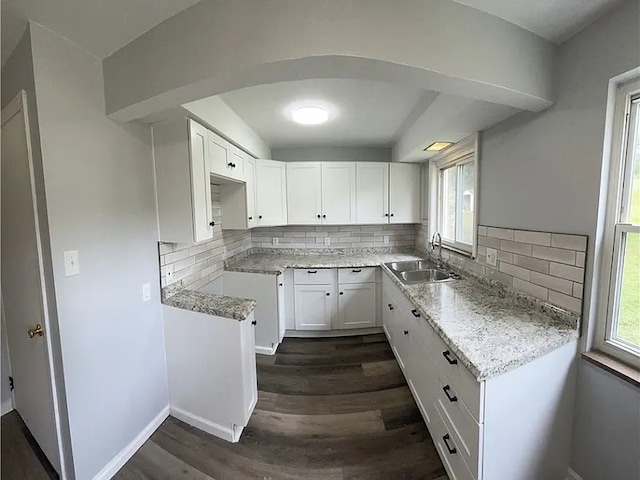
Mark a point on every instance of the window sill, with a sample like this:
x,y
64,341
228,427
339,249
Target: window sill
x,y
613,366
458,251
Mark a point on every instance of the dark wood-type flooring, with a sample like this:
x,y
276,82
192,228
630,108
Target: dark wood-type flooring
x,y
327,409
19,460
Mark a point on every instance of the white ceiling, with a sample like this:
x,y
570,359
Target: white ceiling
x,y
554,20
365,113
99,26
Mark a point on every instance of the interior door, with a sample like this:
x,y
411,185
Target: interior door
x,y
338,193
357,305
372,192
304,195
23,289
404,193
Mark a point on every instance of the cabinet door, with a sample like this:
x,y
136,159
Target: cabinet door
x,y
372,192
200,183
249,374
218,154
314,306
401,334
271,193
304,184
282,308
404,193
250,185
235,165
338,193
388,310
357,305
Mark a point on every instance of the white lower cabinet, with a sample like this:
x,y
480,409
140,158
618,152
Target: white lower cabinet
x,y
315,306
356,305
268,291
207,355
491,429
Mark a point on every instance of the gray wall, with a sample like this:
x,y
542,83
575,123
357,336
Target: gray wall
x,y
100,201
330,154
542,172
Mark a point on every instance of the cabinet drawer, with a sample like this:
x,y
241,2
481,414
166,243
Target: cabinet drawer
x,y
468,389
357,275
314,276
465,431
447,447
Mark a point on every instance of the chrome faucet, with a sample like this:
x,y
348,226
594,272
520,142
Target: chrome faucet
x,y
433,247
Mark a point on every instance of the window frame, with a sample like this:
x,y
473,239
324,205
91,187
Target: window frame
x,y
624,92
462,153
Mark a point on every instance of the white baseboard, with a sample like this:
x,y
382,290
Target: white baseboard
x,y
127,452
572,475
225,433
266,350
332,333
7,406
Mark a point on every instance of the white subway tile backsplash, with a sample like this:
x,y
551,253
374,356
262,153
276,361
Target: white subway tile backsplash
x,y
534,238
580,258
565,271
533,264
565,301
552,283
515,271
515,247
528,287
501,233
570,242
554,254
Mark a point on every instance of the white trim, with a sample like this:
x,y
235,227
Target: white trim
x,y
117,462
267,350
225,433
7,406
332,333
572,475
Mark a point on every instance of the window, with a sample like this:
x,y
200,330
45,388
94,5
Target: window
x,y
453,195
620,292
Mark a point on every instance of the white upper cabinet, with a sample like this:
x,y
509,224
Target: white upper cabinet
x,y
304,193
271,193
338,193
250,191
226,160
404,193
372,192
183,190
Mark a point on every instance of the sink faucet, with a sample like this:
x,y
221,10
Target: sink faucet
x,y
433,246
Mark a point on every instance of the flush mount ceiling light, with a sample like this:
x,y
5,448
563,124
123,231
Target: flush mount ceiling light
x,y
310,115
437,146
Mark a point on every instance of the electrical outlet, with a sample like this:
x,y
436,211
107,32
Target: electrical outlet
x,y
168,271
71,263
492,256
386,239
327,241
146,292
275,241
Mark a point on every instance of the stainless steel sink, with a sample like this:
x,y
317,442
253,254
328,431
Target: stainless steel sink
x,y
420,271
424,276
410,266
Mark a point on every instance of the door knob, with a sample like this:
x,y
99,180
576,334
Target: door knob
x,y
32,332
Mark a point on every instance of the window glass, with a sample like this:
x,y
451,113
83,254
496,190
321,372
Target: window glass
x,y
634,208
627,328
449,197
468,203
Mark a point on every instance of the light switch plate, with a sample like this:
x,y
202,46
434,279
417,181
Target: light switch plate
x,y
71,263
146,292
327,241
386,239
492,256
275,241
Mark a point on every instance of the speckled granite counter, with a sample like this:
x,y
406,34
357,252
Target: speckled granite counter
x,y
490,332
276,263
218,305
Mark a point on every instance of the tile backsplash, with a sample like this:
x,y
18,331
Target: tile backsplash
x,y
347,236
198,265
546,265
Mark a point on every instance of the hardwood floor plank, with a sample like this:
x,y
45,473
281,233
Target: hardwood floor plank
x,y
328,409
18,460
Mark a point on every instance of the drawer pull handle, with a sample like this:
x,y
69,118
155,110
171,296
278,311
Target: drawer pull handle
x,y
446,442
406,332
390,306
452,361
312,271
232,165
415,313
446,390
356,271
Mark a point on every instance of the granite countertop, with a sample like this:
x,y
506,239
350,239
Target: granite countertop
x,y
490,332
276,263
218,305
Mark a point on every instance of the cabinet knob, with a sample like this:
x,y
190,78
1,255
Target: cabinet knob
x,y
324,216
319,216
406,332
328,294
392,214
280,284
254,322
250,218
259,217
386,214
341,293
212,224
390,306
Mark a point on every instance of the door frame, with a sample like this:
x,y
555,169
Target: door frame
x,y
16,106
